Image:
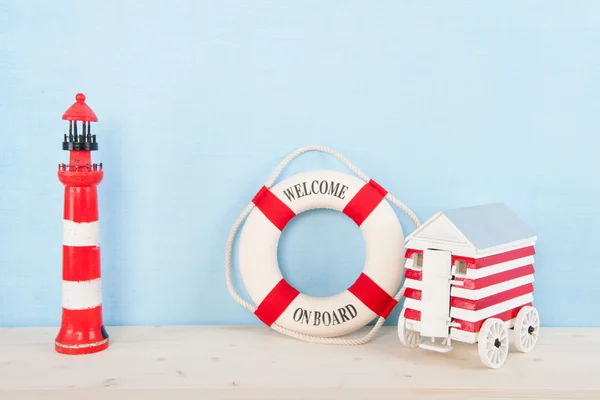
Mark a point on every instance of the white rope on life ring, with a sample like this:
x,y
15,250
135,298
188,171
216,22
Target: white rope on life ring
x,y
283,308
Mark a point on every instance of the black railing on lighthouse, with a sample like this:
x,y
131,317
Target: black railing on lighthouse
x,y
84,141
86,167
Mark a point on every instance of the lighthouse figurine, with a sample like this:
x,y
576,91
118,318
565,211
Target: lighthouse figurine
x,y
82,330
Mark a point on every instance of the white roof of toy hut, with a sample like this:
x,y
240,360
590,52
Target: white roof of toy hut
x,y
473,231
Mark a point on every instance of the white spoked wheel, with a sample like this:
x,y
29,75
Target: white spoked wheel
x,y
527,329
408,337
493,343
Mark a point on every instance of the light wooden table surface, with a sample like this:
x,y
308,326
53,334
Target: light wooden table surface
x,y
258,363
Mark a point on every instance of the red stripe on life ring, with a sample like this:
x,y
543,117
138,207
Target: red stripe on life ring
x,y
274,209
365,201
373,296
276,302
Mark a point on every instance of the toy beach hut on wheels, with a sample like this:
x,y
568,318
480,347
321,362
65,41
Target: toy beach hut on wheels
x,y
469,277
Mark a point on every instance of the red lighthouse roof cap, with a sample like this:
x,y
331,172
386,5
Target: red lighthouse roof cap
x,y
80,111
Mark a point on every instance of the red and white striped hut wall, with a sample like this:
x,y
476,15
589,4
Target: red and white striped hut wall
x,y
490,252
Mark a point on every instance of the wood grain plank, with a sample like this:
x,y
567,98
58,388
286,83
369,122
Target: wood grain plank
x,y
256,362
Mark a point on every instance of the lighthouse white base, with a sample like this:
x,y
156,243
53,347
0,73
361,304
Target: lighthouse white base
x,y
257,363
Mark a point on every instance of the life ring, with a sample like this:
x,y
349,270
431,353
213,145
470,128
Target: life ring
x,y
371,295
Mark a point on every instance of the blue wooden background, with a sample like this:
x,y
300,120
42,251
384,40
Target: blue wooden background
x,y
446,104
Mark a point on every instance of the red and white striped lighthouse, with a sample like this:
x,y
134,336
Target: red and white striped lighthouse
x,y
82,329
